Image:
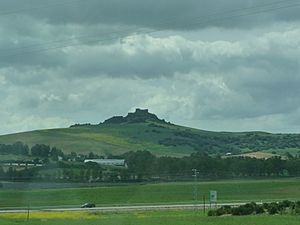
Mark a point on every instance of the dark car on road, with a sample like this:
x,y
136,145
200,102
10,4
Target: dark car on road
x,y
88,205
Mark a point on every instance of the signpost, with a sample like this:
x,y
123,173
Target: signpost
x,y
213,196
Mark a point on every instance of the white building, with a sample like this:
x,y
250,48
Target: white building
x,y
108,162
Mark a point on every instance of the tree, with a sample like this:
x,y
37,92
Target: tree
x,y
40,150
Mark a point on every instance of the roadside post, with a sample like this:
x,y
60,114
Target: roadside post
x,y
204,204
213,197
195,175
28,211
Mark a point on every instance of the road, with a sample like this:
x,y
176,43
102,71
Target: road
x,y
126,208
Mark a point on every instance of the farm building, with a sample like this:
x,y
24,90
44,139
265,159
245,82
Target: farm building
x,y
108,162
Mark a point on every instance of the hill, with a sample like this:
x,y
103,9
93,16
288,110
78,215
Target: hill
x,y
142,130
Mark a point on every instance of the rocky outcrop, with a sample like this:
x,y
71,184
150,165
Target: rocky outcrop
x,y
139,116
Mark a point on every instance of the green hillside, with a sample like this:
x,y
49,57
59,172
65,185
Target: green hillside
x,y
142,130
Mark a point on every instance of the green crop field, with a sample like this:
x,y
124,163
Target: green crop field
x,y
161,193
178,217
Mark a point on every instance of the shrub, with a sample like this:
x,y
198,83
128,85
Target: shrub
x,y
285,204
295,208
242,210
273,208
227,209
223,210
252,208
265,206
259,209
220,211
212,213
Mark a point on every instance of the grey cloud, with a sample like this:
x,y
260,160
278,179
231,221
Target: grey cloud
x,y
221,78
85,100
148,57
206,100
30,38
153,14
240,78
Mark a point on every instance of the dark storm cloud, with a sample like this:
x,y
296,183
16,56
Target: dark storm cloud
x,y
63,62
40,29
168,14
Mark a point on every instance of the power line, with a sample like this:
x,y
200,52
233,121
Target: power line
x,y
159,24
243,12
42,6
4,13
170,22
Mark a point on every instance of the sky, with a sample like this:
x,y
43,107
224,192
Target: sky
x,y
210,64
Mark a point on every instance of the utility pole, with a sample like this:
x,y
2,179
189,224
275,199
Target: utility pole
x,y
204,204
28,211
195,175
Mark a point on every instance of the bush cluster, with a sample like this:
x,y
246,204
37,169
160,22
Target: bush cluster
x,y
253,208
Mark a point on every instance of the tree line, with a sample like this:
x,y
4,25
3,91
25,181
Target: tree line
x,y
143,166
222,143
39,150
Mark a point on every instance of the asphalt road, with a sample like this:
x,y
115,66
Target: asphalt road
x,y
126,208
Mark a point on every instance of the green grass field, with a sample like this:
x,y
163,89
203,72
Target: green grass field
x,y
178,217
105,139
161,193
282,152
156,137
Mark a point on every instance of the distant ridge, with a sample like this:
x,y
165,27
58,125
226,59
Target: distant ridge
x,y
142,130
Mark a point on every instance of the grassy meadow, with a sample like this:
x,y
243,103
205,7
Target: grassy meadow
x,y
160,193
174,217
282,152
156,137
105,139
